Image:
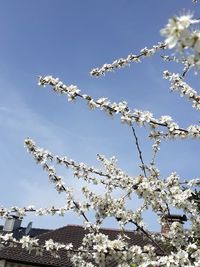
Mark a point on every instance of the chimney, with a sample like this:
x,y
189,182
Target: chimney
x,y
12,223
167,221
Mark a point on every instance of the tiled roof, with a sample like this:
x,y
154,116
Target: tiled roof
x,y
68,234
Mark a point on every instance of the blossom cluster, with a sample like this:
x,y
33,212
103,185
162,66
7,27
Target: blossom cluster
x,y
123,62
178,84
154,191
33,244
127,116
139,184
81,170
180,34
22,211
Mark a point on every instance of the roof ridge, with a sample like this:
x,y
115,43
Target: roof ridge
x,y
35,228
102,228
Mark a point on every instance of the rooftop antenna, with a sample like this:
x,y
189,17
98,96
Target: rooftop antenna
x,y
28,228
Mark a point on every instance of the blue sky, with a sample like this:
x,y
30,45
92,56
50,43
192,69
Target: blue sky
x,y
66,39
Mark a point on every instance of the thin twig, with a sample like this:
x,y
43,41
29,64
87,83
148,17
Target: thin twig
x,y
139,151
186,70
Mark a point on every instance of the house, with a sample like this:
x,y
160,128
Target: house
x,y
18,257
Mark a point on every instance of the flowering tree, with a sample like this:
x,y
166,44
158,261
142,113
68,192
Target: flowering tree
x,y
179,247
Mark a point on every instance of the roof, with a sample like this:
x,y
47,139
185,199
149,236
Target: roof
x,y
20,232
67,234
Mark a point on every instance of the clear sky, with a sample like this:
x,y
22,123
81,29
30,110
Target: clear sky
x,y
66,39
